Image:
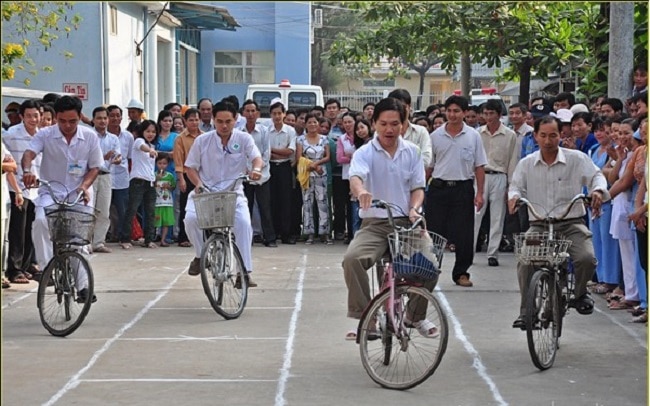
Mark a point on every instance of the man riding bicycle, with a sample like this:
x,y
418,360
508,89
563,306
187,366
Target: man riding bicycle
x,y
215,161
551,177
391,169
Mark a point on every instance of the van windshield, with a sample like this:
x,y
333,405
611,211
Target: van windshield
x,y
263,99
300,100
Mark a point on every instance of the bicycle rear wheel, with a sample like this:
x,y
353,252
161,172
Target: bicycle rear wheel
x,y
543,319
65,293
223,277
401,363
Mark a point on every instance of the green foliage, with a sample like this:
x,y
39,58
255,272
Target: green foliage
x,y
43,22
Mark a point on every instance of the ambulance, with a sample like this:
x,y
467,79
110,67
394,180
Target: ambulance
x,y
293,97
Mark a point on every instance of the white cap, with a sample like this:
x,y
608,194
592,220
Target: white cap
x,y
579,108
276,100
135,104
564,115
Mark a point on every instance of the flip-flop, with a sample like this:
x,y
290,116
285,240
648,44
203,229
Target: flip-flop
x,y
351,335
126,245
19,278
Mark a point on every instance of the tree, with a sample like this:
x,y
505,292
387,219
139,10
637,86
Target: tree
x,y
526,35
41,21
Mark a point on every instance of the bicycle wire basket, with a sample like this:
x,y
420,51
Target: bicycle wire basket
x,y
70,225
532,248
215,209
417,254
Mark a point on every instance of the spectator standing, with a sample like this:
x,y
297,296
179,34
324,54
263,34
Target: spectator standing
x,y
135,110
412,132
458,161
283,148
582,132
165,146
315,148
142,188
260,191
119,172
111,152
182,146
205,109
9,167
21,260
165,185
500,144
12,110
640,79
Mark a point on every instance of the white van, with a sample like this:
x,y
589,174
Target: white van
x,y
293,96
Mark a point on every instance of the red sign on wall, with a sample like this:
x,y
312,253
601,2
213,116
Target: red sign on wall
x,y
79,89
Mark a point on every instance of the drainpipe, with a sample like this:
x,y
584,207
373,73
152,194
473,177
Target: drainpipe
x,y
104,15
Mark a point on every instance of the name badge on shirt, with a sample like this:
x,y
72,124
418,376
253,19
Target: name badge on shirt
x,y
76,168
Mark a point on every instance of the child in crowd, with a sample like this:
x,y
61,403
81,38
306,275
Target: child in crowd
x,y
165,184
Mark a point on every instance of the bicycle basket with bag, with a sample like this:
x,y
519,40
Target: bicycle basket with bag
x,y
417,254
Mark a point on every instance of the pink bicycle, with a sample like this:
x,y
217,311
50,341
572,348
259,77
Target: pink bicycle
x,y
403,333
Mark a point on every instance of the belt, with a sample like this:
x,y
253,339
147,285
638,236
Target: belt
x,y
494,173
104,173
440,183
280,163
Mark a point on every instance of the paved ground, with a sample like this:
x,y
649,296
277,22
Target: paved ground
x,y
152,338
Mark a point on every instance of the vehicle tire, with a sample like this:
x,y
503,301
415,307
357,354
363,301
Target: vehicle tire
x,y
543,319
401,363
221,269
61,308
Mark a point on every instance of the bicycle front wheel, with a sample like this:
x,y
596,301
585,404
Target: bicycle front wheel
x,y
543,319
402,360
65,293
223,277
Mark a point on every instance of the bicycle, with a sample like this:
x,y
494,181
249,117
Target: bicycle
x,y
223,275
66,288
393,354
551,289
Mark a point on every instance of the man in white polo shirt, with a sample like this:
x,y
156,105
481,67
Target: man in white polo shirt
x,y
215,160
71,161
390,169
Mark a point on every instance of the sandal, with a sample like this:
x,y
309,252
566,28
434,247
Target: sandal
x,y
5,283
352,335
622,305
19,278
164,244
126,245
425,327
600,289
185,244
149,244
584,304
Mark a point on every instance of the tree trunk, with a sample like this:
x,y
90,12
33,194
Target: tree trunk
x,y
422,74
621,50
524,81
465,75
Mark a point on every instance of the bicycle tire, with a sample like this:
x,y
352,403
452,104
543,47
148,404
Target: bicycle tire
x,y
543,319
60,307
405,363
219,275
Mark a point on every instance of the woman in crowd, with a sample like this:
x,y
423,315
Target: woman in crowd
x,y
362,135
142,188
344,150
315,147
165,146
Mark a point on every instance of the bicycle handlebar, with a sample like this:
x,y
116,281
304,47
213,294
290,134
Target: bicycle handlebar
x,y
381,204
243,177
525,202
48,185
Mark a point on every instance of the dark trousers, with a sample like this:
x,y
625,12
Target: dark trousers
x,y
119,200
341,200
261,193
21,248
450,213
140,192
182,236
281,192
296,205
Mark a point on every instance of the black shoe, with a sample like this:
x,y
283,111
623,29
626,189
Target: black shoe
x,y
249,282
258,239
493,262
339,236
82,296
195,267
270,244
289,241
520,323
